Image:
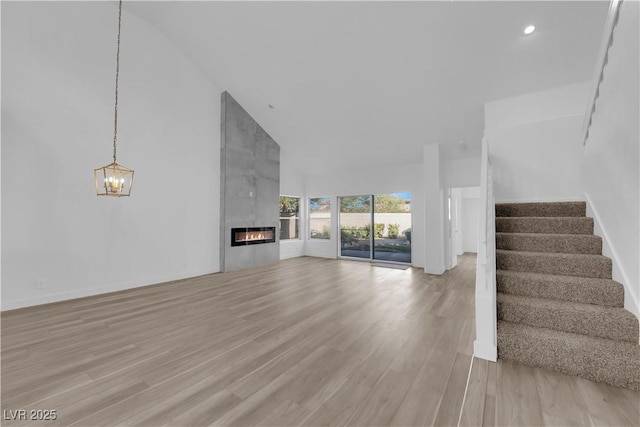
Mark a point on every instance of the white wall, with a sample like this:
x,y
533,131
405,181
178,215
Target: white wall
x,y
58,61
435,220
292,184
535,144
469,218
470,214
466,220
357,181
456,199
462,172
611,156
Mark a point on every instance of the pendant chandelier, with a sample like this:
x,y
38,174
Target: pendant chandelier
x,y
113,179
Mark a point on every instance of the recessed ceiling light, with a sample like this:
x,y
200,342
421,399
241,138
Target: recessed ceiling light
x,y
529,29
272,107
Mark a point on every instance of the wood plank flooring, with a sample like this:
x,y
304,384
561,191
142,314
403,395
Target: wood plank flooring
x,y
304,342
510,394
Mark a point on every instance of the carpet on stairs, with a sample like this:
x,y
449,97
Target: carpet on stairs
x,y
558,307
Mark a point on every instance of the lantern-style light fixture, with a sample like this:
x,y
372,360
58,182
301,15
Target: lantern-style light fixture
x,y
114,179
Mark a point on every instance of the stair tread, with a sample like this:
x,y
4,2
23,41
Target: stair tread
x,y
575,307
544,276
598,359
583,340
568,264
552,254
575,317
572,208
547,218
545,225
588,290
550,243
558,235
585,219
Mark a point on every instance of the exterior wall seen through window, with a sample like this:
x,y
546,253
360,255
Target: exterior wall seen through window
x,y
320,218
289,217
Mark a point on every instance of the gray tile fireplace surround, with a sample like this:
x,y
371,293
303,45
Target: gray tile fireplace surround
x,y
249,186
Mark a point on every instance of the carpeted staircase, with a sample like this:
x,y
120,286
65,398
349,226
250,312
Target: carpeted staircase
x,y
557,305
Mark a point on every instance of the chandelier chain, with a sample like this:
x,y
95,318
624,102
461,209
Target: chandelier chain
x,y
115,113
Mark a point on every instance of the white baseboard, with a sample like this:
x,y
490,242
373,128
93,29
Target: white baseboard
x,y
81,293
289,256
631,302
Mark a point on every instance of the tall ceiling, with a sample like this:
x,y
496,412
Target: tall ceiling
x,y
370,82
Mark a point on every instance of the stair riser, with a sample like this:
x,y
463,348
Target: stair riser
x,y
573,209
603,324
610,294
545,225
591,266
574,244
571,358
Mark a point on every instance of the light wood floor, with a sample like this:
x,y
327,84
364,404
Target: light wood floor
x,y
304,342
509,394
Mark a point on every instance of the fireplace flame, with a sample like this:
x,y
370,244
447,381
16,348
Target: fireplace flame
x,y
250,236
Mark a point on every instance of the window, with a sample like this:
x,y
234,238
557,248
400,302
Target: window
x,y
320,218
289,217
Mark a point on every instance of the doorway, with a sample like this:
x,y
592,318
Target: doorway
x,y
463,217
376,227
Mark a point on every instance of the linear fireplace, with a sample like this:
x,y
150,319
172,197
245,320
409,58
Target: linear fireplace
x,y
252,236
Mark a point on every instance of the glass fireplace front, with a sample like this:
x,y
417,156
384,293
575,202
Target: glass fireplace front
x,y
252,236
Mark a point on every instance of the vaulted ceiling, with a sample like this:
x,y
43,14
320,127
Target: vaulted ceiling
x,y
371,82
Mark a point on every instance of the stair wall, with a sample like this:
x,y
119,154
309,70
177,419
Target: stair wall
x,y
618,271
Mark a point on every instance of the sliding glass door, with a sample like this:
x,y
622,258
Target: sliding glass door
x,y
376,227
355,226
392,224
